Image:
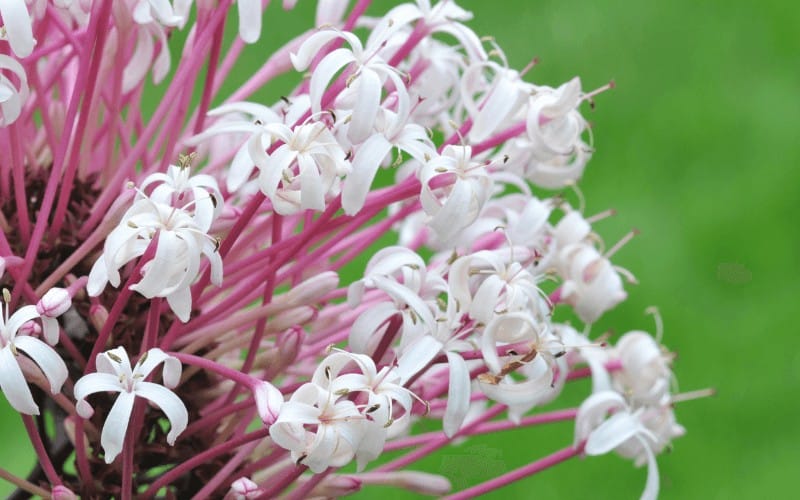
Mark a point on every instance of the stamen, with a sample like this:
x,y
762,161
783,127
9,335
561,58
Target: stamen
x,y
659,321
698,394
621,243
601,215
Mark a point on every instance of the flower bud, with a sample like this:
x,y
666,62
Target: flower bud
x,y
54,303
243,489
337,486
61,492
268,401
414,481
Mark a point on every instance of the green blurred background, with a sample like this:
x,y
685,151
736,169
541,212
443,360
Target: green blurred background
x,y
697,148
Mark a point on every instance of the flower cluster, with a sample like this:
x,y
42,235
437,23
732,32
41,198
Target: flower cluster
x,y
396,236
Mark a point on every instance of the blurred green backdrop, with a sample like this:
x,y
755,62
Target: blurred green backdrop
x,y
697,148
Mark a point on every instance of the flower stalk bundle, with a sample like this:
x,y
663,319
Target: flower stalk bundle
x,y
177,290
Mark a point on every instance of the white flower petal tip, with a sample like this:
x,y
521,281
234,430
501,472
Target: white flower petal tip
x,y
115,374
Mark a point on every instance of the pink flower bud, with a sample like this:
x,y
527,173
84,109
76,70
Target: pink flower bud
x,y
337,486
30,328
63,493
268,401
243,489
54,303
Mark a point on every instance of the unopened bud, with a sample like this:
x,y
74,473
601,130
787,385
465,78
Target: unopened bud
x,y
312,289
337,486
414,481
98,315
54,303
30,328
269,401
61,492
289,342
243,489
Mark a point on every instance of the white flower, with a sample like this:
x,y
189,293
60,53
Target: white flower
x,y
645,376
12,381
554,127
455,206
485,284
232,122
540,371
492,105
172,189
17,27
116,375
176,262
338,427
11,96
392,131
367,76
591,284
638,434
402,275
302,171
243,489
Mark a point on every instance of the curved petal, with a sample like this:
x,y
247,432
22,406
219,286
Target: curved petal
x,y
417,356
155,356
19,318
362,121
17,24
50,329
48,360
458,394
170,404
613,432
365,165
90,384
113,435
14,385
249,19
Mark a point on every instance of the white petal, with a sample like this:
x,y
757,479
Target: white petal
x,y
612,433
365,165
496,108
249,19
14,385
50,329
90,384
172,367
417,356
311,47
19,318
98,278
18,25
170,404
362,121
325,71
652,486
362,334
458,394
113,435
180,301
48,360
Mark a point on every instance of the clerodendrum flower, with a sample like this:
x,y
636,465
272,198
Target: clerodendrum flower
x,y
13,343
415,149
115,374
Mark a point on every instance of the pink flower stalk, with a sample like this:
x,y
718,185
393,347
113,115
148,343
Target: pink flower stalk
x,y
212,238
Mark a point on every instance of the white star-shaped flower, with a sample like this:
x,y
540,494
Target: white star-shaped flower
x,y
116,375
12,381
